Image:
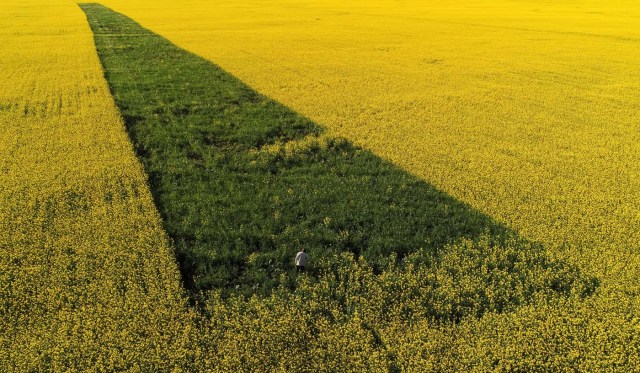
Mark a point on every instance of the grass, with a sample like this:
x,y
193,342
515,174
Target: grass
x,y
242,182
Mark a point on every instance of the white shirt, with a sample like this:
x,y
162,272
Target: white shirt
x,y
301,258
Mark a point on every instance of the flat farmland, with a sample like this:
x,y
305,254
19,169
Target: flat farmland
x,y
87,273
526,110
464,176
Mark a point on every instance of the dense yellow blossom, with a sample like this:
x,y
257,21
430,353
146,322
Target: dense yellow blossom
x,y
87,280
526,110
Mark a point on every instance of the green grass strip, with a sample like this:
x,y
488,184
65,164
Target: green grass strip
x,y
239,203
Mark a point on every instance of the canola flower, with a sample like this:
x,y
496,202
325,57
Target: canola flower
x,y
87,279
526,110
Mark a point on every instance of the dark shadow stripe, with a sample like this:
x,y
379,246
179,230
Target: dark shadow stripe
x,y
237,210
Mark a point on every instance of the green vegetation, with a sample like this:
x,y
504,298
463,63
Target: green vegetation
x,y
243,182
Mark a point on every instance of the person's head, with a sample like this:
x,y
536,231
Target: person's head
x,y
302,249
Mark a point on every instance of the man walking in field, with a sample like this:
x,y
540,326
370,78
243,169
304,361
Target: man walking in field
x,y
301,261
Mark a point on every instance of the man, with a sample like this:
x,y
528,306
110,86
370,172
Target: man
x,y
301,261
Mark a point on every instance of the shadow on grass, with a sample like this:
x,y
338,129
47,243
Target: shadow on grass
x,y
243,182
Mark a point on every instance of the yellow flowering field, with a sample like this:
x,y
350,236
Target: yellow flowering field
x,y
87,280
526,110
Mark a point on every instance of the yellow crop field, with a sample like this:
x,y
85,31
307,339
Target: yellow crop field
x,y
528,111
87,280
